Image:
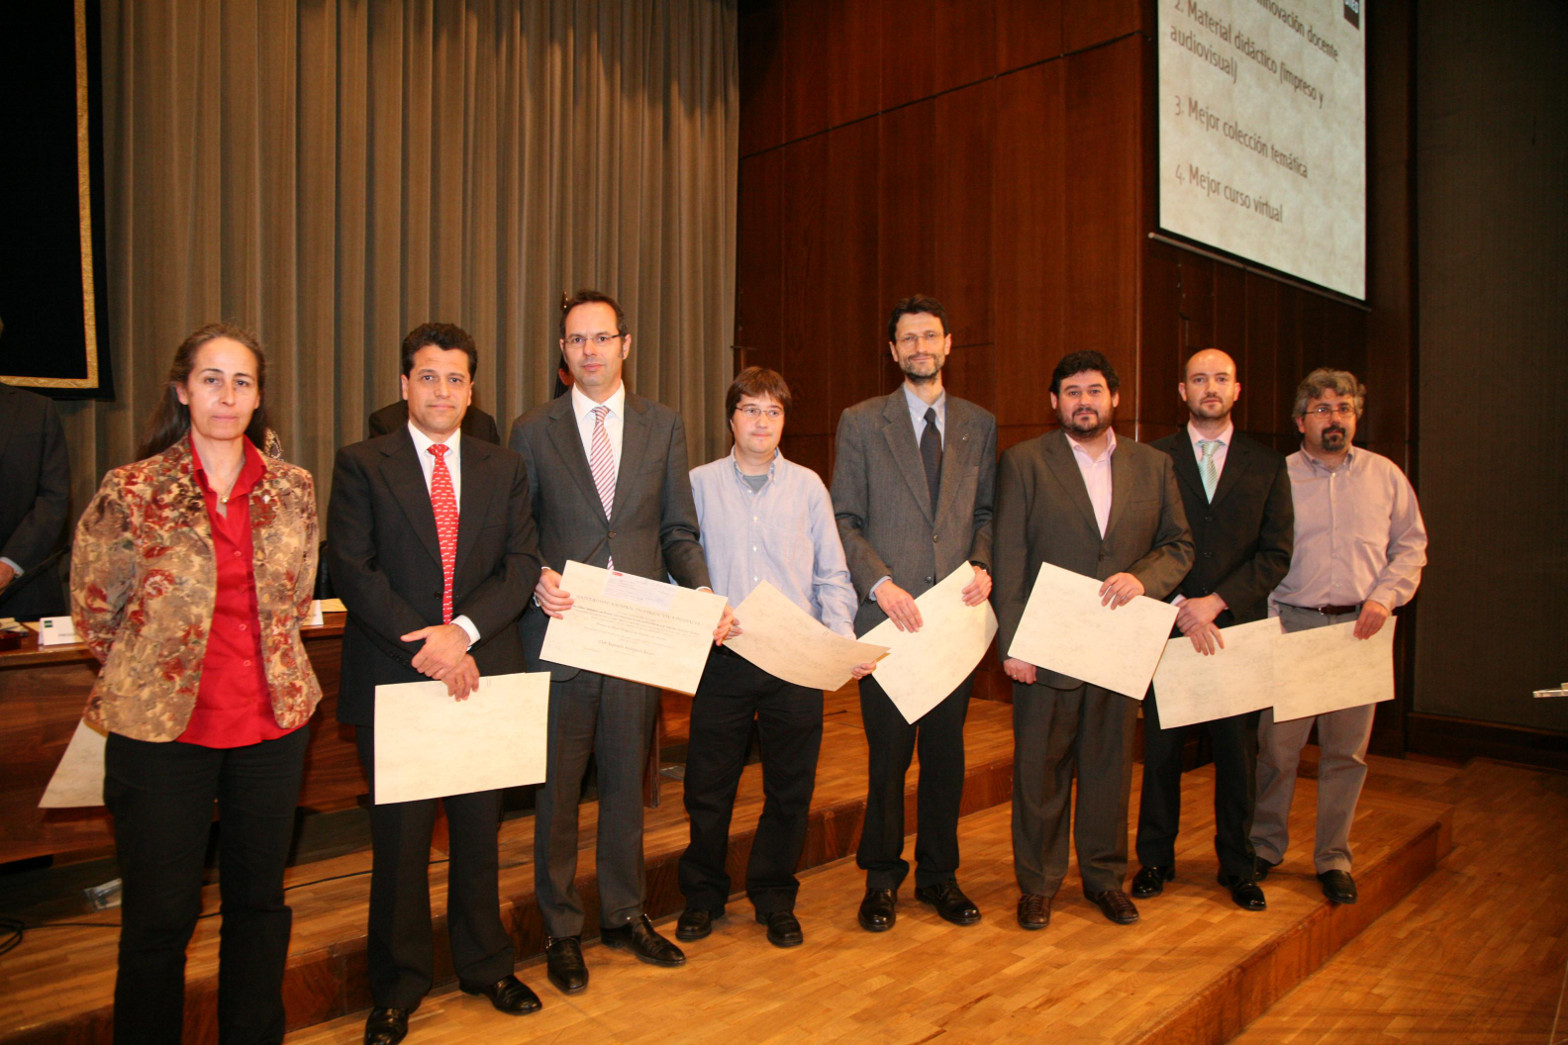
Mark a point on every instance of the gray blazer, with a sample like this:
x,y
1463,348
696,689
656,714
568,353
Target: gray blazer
x,y
652,531
1043,514
885,516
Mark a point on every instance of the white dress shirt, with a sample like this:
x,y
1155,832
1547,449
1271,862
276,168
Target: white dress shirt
x,y
454,466
1097,476
614,421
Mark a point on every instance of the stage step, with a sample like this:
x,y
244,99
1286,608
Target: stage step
x,y
1193,969
59,982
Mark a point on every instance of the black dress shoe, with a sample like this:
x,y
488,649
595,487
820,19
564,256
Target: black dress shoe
x,y
1244,891
879,910
783,928
693,924
386,1026
1338,886
563,959
1114,904
1150,881
1262,867
509,995
1034,911
640,937
950,902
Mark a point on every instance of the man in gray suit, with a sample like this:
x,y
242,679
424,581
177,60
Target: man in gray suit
x,y
1080,499
608,485
913,478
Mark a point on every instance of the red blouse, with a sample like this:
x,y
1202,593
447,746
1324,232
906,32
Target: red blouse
x,y
233,705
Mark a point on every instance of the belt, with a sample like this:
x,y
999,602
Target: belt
x,y
1327,611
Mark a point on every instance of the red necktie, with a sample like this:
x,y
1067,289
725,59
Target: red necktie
x,y
444,501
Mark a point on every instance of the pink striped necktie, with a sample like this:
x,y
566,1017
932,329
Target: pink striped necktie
x,y
444,501
601,462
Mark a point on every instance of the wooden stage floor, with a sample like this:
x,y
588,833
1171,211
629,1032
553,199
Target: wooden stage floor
x,y
1473,953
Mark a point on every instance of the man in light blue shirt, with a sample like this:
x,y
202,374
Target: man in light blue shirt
x,y
762,519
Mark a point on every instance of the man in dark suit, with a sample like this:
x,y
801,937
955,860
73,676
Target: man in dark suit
x,y
1236,493
35,472
394,417
608,485
434,553
913,477
1080,499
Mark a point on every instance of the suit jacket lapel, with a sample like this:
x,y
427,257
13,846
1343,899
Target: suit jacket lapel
x,y
1121,491
569,446
1186,463
1235,465
634,447
956,450
479,489
9,408
407,479
900,436
1059,458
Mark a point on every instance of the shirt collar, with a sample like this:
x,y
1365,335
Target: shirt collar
x,y
918,406
1224,438
1110,446
423,443
1316,465
251,471
773,465
582,406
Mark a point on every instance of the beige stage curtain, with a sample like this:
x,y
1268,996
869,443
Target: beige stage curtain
x,y
331,173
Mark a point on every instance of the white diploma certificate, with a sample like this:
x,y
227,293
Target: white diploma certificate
x,y
1065,629
923,667
78,779
429,745
1328,669
1192,687
633,628
788,643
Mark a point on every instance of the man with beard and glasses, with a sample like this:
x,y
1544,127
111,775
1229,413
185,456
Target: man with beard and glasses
x,y
1360,547
1080,499
913,478
1237,496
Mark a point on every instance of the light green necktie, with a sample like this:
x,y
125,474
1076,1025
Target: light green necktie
x,y
1207,468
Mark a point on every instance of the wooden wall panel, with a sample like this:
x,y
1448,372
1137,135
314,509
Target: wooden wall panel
x,y
935,200
1087,24
759,261
759,38
1028,240
804,256
1027,31
810,76
932,46
855,57
853,349
1104,102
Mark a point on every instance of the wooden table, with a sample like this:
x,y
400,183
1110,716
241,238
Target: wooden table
x,y
42,693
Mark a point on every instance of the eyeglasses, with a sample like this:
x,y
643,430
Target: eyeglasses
x,y
1336,409
579,340
930,337
772,413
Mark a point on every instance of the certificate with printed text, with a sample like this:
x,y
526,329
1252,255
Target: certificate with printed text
x,y
430,745
633,628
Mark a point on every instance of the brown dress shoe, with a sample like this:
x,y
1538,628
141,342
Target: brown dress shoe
x,y
1034,911
1115,905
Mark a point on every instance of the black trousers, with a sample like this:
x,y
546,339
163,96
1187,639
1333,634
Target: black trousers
x,y
1235,741
892,742
161,796
734,693
400,944
1056,731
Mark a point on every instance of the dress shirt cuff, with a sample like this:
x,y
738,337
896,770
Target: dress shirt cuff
x,y
14,567
468,629
873,592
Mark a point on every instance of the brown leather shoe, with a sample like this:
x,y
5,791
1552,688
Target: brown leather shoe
x,y
1034,911
1115,905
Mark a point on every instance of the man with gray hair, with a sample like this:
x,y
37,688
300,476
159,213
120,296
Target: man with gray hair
x,y
1360,547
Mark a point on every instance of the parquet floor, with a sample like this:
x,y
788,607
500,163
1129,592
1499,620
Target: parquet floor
x,y
1081,980
1477,952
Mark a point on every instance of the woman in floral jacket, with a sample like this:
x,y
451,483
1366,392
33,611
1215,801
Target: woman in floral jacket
x,y
191,573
